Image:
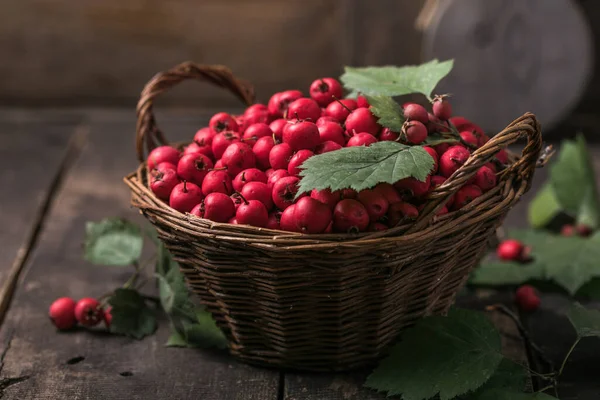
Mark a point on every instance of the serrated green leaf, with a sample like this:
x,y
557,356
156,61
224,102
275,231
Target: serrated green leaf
x,y
435,139
173,291
574,182
113,241
585,321
449,356
396,81
544,207
508,376
570,262
509,394
202,332
387,111
130,314
176,339
364,167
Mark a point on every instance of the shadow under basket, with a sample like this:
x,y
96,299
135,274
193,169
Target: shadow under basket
x,y
337,301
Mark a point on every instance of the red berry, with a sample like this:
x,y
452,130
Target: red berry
x,y
275,176
583,230
510,250
415,112
311,216
277,127
301,135
361,101
258,191
375,203
88,312
361,139
204,136
222,141
463,124
163,182
567,230
441,148
273,222
485,178
305,109
256,117
437,180
262,149
349,193
248,175
387,135
340,109
435,157
469,138
414,132
252,212
279,102
222,121
401,212
502,156
388,192
297,160
284,191
326,147
412,187
362,120
324,119
280,156
287,222
442,108
453,159
163,154
465,195
527,298
194,167
217,181
331,131
326,196
185,196
107,317
257,107
377,227
256,131
193,148
62,313
217,207
350,215
238,157
325,90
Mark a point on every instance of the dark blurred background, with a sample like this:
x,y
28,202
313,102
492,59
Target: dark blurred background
x,y
512,55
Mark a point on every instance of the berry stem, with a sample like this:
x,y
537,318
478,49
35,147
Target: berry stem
x,y
342,104
242,197
562,366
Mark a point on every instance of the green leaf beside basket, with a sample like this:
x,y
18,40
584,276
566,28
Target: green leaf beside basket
x,y
113,241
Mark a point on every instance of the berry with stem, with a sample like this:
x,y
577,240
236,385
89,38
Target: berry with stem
x,y
297,160
248,175
252,212
255,132
304,108
284,191
325,90
217,181
62,313
415,112
258,191
442,108
238,157
277,127
204,136
185,196
340,109
194,167
301,135
453,159
88,312
163,182
278,103
222,121
331,131
413,132
222,141
350,216
362,120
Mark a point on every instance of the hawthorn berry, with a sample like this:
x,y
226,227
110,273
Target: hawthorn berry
x,y
375,203
301,135
361,139
326,147
350,216
278,103
297,160
163,154
485,178
469,138
413,132
511,250
107,317
583,230
287,221
163,182
273,222
248,175
325,90
327,197
238,157
275,176
311,216
255,132
258,191
340,109
465,195
222,121
185,196
387,135
331,131
284,191
415,112
222,141
362,120
388,192
204,136
277,127
62,313
442,108
304,108
361,101
401,212
453,159
262,149
195,148
435,157
217,207
217,181
527,298
194,167
252,212
412,187
567,230
280,155
88,312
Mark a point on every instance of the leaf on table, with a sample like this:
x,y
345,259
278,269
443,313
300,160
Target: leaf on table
x,y
176,339
387,111
364,167
131,316
544,207
585,321
570,262
396,81
449,356
113,241
573,179
203,332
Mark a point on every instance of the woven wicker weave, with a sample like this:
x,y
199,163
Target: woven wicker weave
x,y
335,301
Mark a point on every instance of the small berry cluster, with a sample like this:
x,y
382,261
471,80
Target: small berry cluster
x,y
244,169
576,230
65,313
526,297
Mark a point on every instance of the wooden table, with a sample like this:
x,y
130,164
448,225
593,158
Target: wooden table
x,y
62,168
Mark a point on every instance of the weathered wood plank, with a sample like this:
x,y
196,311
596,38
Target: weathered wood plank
x,y
113,367
349,386
32,154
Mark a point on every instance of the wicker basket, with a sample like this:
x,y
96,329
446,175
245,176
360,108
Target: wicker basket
x,y
334,301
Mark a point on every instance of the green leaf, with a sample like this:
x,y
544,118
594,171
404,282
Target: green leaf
x,y
176,340
508,394
435,138
570,262
574,182
449,356
396,81
388,111
113,241
364,167
130,314
585,321
508,376
203,332
173,291
544,207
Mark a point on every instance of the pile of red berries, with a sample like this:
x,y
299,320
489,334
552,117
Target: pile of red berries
x,y
65,313
244,169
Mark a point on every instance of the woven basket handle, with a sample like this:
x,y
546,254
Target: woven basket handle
x,y
218,75
525,126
